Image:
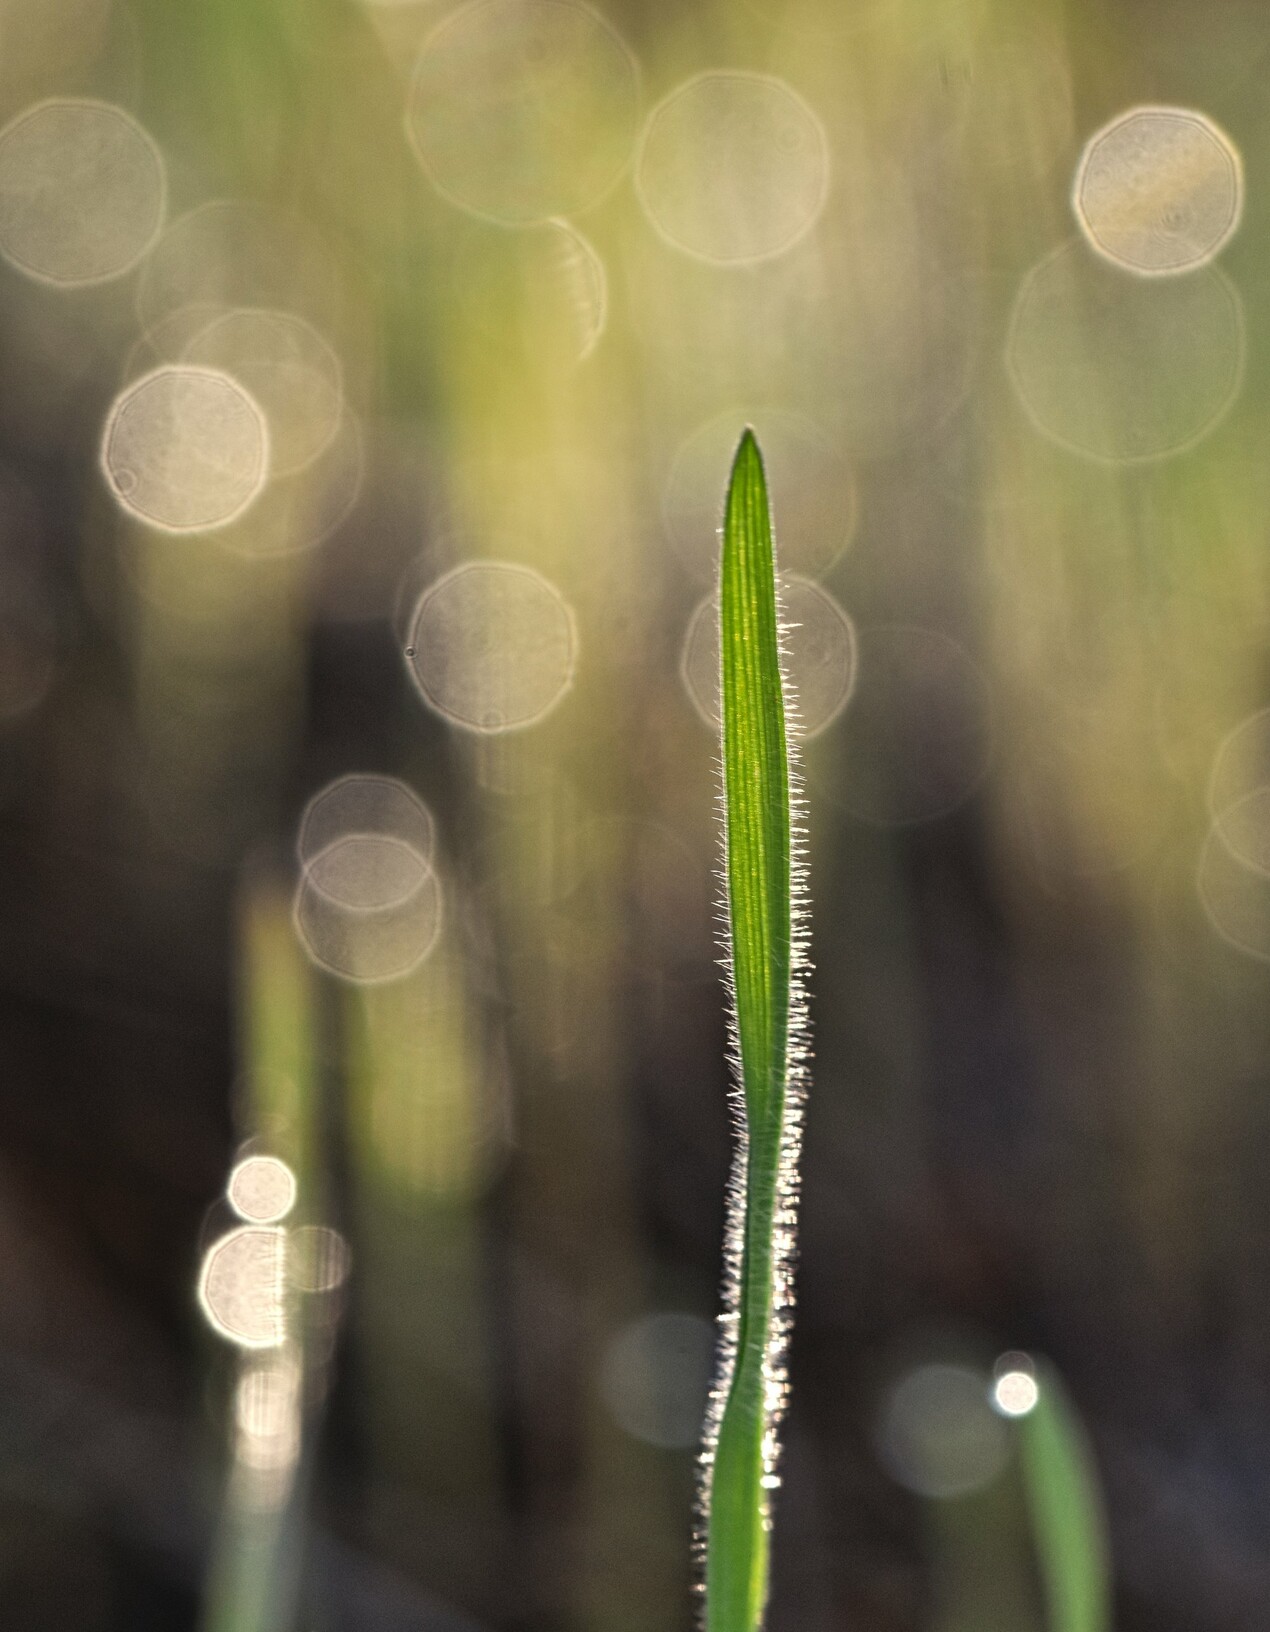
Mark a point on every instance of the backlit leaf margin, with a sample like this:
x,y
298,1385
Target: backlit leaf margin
x,y
765,964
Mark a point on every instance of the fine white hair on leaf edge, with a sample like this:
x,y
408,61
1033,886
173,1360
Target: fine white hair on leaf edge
x,y
794,1087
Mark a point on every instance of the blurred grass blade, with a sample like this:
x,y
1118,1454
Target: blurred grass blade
x,y
764,960
1065,1503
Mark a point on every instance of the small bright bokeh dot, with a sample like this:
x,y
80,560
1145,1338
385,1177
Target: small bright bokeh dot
x,y
261,1189
1015,1393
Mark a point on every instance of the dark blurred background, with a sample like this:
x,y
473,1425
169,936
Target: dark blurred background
x,y
368,376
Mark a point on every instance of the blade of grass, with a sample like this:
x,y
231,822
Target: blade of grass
x,y
764,961
1065,1505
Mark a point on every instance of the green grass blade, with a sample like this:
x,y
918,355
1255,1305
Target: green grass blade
x,y
756,787
764,961
1065,1505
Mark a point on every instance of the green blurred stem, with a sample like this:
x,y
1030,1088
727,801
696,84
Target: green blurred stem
x,y
1065,1504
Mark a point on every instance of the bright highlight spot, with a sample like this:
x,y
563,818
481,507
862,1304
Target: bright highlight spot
x,y
261,1189
492,646
937,1434
82,192
1159,190
1123,369
241,1286
185,449
821,661
733,167
655,1379
521,110
290,372
1015,1393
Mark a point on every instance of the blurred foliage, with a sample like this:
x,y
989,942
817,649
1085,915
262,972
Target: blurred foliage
x,y
1041,920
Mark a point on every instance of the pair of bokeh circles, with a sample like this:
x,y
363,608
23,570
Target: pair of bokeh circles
x,y
246,413
941,1431
253,395
1126,343
491,648
249,1273
521,111
254,400
368,904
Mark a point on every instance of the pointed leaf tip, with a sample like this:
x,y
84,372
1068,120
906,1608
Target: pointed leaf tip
x,y
747,451
747,527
